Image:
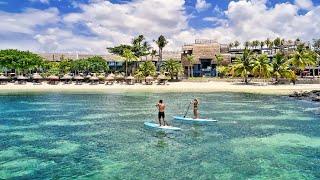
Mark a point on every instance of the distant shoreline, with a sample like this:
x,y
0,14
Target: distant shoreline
x,y
174,87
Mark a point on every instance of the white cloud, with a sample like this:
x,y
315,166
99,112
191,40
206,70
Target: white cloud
x,y
27,21
304,4
202,5
111,24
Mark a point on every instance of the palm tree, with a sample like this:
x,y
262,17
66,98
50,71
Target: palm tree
x,y
128,56
219,59
247,44
173,67
268,43
261,67
153,53
302,58
280,67
191,61
161,42
231,45
236,44
243,65
262,43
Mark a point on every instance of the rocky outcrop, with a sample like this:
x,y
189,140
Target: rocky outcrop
x,y
307,95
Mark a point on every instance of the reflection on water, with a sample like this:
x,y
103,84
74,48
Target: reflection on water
x,y
102,137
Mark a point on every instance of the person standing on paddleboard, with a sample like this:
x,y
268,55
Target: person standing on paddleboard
x,y
161,107
195,103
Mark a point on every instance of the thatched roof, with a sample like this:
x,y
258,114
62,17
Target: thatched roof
x,y
66,77
130,78
110,78
53,77
94,78
101,76
119,76
78,78
21,77
36,76
149,78
2,77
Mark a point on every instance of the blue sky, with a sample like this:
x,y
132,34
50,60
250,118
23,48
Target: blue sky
x,y
91,25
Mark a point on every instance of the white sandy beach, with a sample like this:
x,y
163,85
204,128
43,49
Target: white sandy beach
x,y
216,86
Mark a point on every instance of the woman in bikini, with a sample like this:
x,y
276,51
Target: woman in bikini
x,y
195,103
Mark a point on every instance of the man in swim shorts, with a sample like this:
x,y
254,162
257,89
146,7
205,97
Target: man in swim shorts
x,y
161,107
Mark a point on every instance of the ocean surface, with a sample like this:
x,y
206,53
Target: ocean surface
x,y
101,136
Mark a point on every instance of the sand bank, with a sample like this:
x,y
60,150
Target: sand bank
x,y
170,87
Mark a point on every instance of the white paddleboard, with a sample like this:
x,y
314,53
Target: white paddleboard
x,y
191,120
157,126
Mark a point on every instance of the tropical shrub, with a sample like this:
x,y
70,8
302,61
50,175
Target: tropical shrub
x,y
173,67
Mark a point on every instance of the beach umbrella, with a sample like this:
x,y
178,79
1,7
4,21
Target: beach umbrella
x,y
101,77
88,76
37,76
2,77
119,76
94,78
150,78
66,77
130,78
53,78
78,78
21,77
109,78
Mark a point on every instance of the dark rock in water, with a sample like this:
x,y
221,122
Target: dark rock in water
x,y
316,99
311,96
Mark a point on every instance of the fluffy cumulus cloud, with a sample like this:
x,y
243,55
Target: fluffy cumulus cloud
x,y
202,5
101,23
304,4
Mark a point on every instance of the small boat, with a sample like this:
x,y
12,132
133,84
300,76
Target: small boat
x,y
157,126
191,120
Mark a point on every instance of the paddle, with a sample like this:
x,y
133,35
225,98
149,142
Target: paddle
x,y
185,114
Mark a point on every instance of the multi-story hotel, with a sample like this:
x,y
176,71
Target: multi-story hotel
x,y
204,53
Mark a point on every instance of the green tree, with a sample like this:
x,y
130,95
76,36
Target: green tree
x,y
280,67
153,54
268,43
190,59
316,46
173,67
21,61
146,68
161,42
261,66
219,59
236,44
243,65
129,57
97,64
262,43
65,66
302,58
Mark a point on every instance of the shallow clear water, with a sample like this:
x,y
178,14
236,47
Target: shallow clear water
x,y
102,136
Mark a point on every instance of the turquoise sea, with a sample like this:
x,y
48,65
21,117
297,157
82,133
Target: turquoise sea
x,y
101,136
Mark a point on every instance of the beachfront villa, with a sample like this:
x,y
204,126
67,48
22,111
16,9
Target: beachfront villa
x,y
204,53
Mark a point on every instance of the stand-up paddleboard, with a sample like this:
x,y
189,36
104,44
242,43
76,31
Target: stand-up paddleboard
x,y
191,120
157,126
